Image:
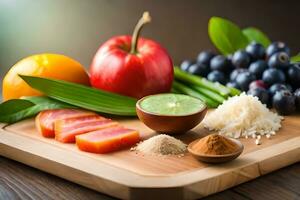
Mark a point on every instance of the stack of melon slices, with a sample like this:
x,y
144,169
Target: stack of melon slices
x,y
90,131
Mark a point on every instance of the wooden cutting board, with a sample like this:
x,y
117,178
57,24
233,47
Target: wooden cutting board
x,y
128,175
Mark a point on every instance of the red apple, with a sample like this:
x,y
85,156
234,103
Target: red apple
x,y
132,66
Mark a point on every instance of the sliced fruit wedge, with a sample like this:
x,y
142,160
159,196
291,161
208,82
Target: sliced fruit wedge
x,y
44,121
67,129
107,140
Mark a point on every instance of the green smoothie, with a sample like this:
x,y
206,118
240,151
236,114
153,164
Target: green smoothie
x,y
171,104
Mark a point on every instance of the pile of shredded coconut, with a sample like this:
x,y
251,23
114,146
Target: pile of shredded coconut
x,y
161,145
243,115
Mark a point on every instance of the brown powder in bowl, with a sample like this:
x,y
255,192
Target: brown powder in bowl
x,y
215,144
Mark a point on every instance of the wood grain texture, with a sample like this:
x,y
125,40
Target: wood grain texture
x,y
18,181
154,177
21,182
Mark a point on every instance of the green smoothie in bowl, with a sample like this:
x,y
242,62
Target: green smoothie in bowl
x,y
170,113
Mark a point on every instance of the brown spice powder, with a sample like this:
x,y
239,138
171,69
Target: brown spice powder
x,y
215,144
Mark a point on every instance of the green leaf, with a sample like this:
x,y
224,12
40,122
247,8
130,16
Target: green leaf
x,y
12,106
47,100
295,59
18,109
254,34
226,36
83,96
9,113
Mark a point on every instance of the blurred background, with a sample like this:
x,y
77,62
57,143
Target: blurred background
x,y
77,28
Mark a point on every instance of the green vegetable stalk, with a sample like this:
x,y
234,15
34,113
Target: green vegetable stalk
x,y
204,83
188,91
174,90
214,96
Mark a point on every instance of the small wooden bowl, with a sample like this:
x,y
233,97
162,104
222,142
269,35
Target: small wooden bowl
x,y
170,124
217,158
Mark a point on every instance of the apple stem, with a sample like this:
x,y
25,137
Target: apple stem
x,y
146,18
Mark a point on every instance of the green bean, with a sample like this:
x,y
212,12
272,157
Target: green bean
x,y
188,91
211,94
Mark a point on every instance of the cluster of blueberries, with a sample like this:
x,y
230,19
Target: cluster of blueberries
x,y
265,73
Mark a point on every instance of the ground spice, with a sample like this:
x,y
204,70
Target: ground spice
x,y
161,145
215,144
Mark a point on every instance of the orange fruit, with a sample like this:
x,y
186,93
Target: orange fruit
x,y
42,65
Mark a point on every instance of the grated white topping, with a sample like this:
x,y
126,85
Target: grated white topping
x,y
243,115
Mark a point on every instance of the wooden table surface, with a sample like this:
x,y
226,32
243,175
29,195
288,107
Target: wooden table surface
x,y
18,181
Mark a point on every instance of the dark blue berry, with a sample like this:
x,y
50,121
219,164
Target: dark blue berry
x,y
258,67
244,79
232,84
241,59
186,64
261,93
297,98
256,51
289,87
276,88
284,102
277,47
220,63
279,60
235,73
199,69
293,75
204,57
272,76
216,76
